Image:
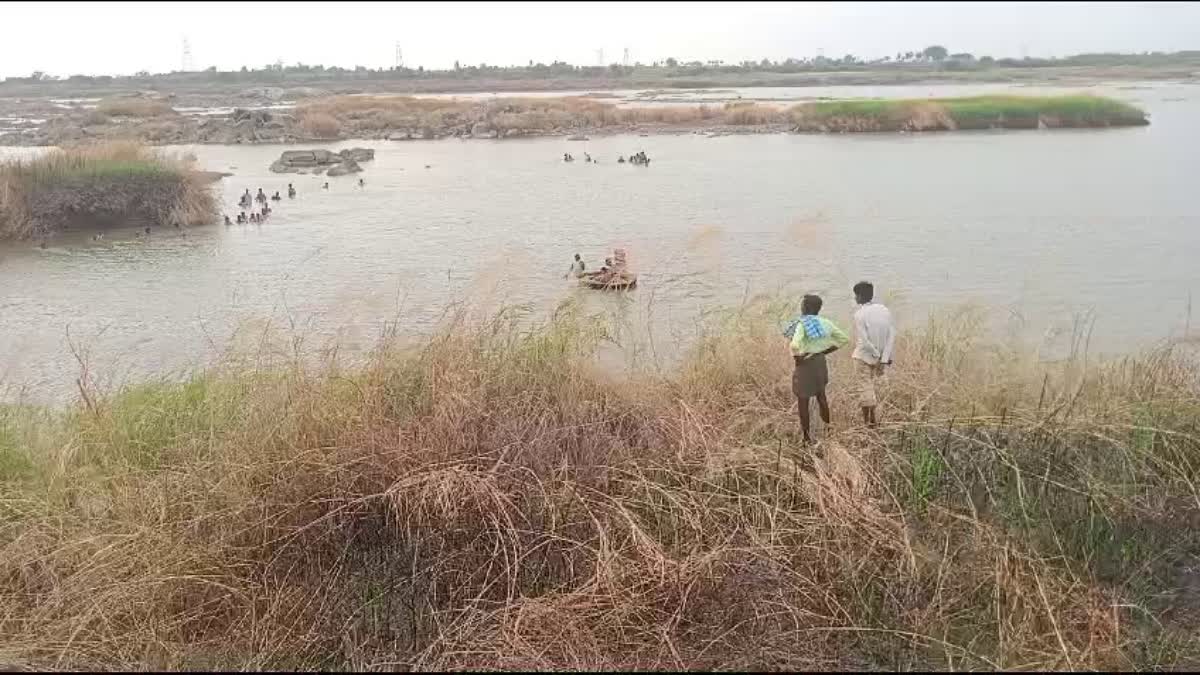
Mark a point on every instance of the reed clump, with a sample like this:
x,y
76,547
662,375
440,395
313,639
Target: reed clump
x,y
973,112
100,186
492,499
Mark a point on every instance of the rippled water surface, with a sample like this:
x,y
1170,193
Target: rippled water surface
x,y
1041,227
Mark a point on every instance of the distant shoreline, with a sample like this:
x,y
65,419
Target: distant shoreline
x,y
153,119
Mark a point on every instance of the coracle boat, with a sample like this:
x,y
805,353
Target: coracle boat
x,y
617,281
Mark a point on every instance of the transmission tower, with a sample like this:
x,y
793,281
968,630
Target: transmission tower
x,y
399,56
186,61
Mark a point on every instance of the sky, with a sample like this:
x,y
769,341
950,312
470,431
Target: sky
x,y
114,38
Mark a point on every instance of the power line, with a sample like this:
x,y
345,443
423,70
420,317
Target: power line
x,y
186,61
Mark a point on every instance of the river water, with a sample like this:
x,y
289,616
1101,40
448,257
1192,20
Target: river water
x,y
1039,227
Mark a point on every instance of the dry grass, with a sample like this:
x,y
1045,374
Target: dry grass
x,y
134,107
534,114
320,125
100,185
492,499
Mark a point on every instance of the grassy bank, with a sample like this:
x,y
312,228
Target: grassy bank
x,y
359,116
98,187
127,106
493,498
353,116
974,112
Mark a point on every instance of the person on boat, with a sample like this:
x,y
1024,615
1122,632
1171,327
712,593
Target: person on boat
x,y
577,268
275,197
291,191
606,270
814,337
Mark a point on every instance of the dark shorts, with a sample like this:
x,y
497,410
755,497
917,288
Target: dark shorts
x,y
810,377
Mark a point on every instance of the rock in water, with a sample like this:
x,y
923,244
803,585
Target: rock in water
x,y
346,167
292,161
358,154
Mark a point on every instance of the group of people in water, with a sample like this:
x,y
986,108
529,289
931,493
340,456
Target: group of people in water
x,y
638,158
264,211
247,201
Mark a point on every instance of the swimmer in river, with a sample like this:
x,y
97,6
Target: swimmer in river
x,y
275,197
361,183
228,222
325,186
261,197
291,191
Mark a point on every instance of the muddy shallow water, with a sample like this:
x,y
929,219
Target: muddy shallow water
x,y
1041,227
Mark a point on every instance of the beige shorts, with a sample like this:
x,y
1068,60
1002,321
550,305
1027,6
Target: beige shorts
x,y
866,381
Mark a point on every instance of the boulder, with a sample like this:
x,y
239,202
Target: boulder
x,y
358,154
347,167
269,93
293,160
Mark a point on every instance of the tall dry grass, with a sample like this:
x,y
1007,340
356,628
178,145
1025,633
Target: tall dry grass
x,y
320,125
134,107
530,114
492,498
100,184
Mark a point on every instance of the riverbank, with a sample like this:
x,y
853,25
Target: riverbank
x,y
493,499
97,187
400,118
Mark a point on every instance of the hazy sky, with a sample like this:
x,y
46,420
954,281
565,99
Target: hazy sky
x,y
64,38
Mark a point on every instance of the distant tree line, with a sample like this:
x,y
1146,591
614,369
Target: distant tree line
x,y
931,57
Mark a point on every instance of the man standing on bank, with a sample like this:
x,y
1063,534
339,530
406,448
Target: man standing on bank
x,y
874,337
814,337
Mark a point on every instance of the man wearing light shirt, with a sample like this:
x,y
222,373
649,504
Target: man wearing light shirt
x,y
874,339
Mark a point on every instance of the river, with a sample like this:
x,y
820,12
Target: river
x,y
1039,227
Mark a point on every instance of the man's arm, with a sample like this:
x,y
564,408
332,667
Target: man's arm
x,y
864,340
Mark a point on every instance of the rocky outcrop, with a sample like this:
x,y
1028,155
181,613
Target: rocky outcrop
x,y
346,167
358,154
316,161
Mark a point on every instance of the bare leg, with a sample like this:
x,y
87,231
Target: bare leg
x,y
805,418
823,404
